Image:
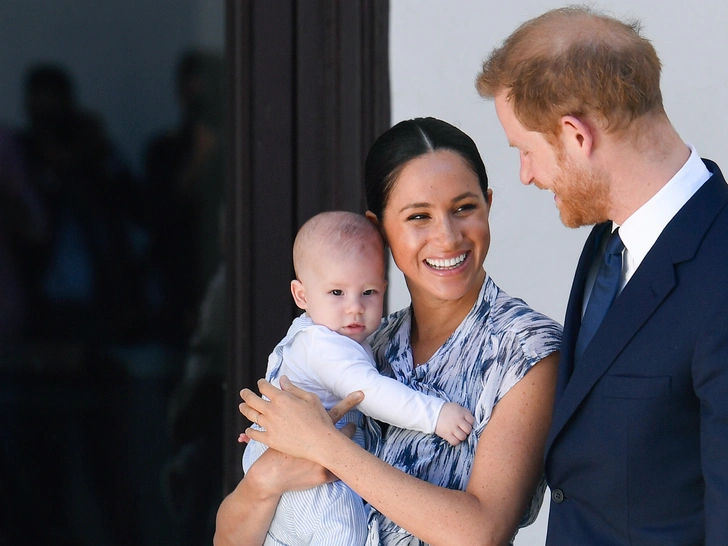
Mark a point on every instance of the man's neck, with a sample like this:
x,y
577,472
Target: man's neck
x,y
641,169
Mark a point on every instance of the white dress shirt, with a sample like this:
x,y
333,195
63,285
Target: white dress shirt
x,y
641,230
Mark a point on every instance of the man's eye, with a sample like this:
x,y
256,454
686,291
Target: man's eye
x,y
337,292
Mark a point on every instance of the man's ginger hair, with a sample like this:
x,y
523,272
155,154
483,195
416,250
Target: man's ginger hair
x,y
575,61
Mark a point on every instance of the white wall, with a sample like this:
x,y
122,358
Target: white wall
x,y
436,49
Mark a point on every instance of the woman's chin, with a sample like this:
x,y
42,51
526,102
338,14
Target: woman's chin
x,y
456,286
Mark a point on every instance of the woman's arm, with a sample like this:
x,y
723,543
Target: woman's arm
x,y
245,514
507,466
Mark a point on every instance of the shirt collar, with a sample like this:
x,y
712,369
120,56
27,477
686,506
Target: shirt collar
x,y
640,231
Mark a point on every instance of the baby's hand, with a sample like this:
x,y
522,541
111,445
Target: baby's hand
x,y
454,423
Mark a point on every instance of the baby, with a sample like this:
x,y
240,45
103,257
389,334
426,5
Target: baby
x,y
338,258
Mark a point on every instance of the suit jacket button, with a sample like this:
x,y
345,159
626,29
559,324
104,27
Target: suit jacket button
x,y
557,495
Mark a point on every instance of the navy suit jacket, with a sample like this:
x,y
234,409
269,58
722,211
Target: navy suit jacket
x,y
637,453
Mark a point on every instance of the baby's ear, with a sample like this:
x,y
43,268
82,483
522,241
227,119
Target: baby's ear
x,y
299,294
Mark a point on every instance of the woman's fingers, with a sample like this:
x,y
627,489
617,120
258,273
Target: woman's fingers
x,y
252,406
252,403
290,388
251,399
335,413
284,413
249,413
267,389
340,409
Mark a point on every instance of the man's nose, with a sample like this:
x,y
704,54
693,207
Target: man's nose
x,y
525,172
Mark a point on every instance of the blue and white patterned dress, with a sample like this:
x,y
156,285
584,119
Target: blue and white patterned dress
x,y
492,349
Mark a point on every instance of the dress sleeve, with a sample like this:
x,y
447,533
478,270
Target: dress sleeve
x,y
532,337
343,366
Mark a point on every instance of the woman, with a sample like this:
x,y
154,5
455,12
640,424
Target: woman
x,y
462,338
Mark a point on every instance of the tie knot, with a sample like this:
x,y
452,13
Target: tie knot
x,y
614,244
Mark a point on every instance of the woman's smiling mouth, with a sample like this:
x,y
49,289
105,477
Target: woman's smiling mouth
x,y
450,263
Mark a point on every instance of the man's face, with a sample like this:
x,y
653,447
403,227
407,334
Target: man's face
x,y
580,194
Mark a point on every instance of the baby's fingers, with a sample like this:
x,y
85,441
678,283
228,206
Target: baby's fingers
x,y
461,433
466,427
454,439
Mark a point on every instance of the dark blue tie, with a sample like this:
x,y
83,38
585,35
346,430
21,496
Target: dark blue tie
x,y
606,285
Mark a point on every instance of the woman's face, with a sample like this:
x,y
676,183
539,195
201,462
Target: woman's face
x,y
436,224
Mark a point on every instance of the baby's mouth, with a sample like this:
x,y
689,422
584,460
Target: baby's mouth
x,y
354,326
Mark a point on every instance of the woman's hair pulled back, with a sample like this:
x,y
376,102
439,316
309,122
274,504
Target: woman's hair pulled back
x,y
406,141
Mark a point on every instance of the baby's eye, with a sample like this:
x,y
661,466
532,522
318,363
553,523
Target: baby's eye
x,y
337,292
369,292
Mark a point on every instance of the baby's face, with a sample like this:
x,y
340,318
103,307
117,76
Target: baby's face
x,y
346,294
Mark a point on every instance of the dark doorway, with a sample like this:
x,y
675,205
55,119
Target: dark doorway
x,y
308,94
111,182
156,159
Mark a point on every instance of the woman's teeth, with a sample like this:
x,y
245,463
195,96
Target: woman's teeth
x,y
446,264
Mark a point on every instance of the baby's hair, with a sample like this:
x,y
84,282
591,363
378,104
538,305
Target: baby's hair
x,y
334,232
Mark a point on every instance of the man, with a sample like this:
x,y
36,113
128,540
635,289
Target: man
x,y
638,448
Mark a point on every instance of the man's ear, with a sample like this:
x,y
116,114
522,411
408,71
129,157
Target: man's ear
x,y
299,294
577,136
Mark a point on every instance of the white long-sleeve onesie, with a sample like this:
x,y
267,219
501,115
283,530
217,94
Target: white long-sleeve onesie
x,y
331,365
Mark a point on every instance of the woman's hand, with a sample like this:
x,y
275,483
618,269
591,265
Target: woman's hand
x,y
294,420
275,472
245,514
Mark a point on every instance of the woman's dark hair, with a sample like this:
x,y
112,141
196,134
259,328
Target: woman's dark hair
x,y
406,141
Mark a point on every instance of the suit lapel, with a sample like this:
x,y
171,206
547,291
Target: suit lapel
x,y
651,284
